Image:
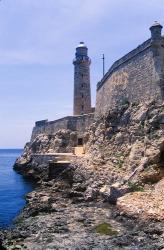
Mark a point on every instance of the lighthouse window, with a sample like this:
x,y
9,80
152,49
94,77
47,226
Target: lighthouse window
x,y
82,85
82,95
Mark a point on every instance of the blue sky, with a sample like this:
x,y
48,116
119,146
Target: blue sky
x,y
37,45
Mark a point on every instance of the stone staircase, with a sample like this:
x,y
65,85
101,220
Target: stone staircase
x,y
59,164
79,151
63,157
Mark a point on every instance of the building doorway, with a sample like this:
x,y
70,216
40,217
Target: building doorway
x,y
80,142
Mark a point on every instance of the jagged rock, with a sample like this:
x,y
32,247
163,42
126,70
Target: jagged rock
x,y
86,137
91,194
159,186
146,205
73,137
113,192
141,114
119,138
153,154
124,150
137,170
137,152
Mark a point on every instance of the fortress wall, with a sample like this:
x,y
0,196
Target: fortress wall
x,y
135,77
83,122
73,123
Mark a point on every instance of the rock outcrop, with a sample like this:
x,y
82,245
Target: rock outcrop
x,y
111,198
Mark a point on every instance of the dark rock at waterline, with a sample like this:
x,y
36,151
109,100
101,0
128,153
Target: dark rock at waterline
x,y
54,221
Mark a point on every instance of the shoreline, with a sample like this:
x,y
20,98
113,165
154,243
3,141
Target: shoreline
x,y
58,215
109,198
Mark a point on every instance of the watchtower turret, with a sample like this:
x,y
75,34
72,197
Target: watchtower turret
x,y
82,92
156,30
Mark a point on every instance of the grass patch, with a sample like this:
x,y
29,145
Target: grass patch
x,y
125,102
120,163
120,159
134,187
118,155
105,229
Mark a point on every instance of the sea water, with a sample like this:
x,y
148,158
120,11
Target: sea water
x,y
13,187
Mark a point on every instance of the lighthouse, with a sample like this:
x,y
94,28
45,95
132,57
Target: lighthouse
x,y
82,90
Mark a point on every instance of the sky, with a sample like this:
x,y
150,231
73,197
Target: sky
x,y
37,46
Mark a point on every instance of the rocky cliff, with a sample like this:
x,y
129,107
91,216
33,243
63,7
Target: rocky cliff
x,y
110,198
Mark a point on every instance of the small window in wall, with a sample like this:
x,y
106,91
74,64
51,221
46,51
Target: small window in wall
x,y
82,107
80,142
82,95
82,85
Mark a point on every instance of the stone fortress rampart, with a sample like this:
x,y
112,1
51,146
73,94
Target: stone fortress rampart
x,y
74,123
137,76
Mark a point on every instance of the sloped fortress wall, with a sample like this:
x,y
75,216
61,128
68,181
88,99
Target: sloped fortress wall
x,y
138,76
74,123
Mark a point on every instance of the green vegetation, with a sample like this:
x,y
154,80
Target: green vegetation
x,y
141,129
105,229
152,135
135,104
135,187
120,154
125,102
120,161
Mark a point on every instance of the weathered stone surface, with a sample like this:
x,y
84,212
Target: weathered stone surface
x,y
125,82
113,192
91,194
82,91
72,123
120,158
137,152
141,114
52,219
146,205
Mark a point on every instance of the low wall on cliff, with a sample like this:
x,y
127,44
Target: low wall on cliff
x,y
138,76
74,123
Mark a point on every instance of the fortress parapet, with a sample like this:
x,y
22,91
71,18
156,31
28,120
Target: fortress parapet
x,y
78,123
41,123
136,77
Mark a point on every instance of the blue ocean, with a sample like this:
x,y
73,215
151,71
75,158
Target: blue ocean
x,y
13,187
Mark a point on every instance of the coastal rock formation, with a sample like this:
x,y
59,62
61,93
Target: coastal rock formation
x,y
124,150
33,163
123,165
57,216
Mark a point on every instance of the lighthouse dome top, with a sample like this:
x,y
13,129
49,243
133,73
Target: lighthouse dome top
x,y
156,24
81,50
81,45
